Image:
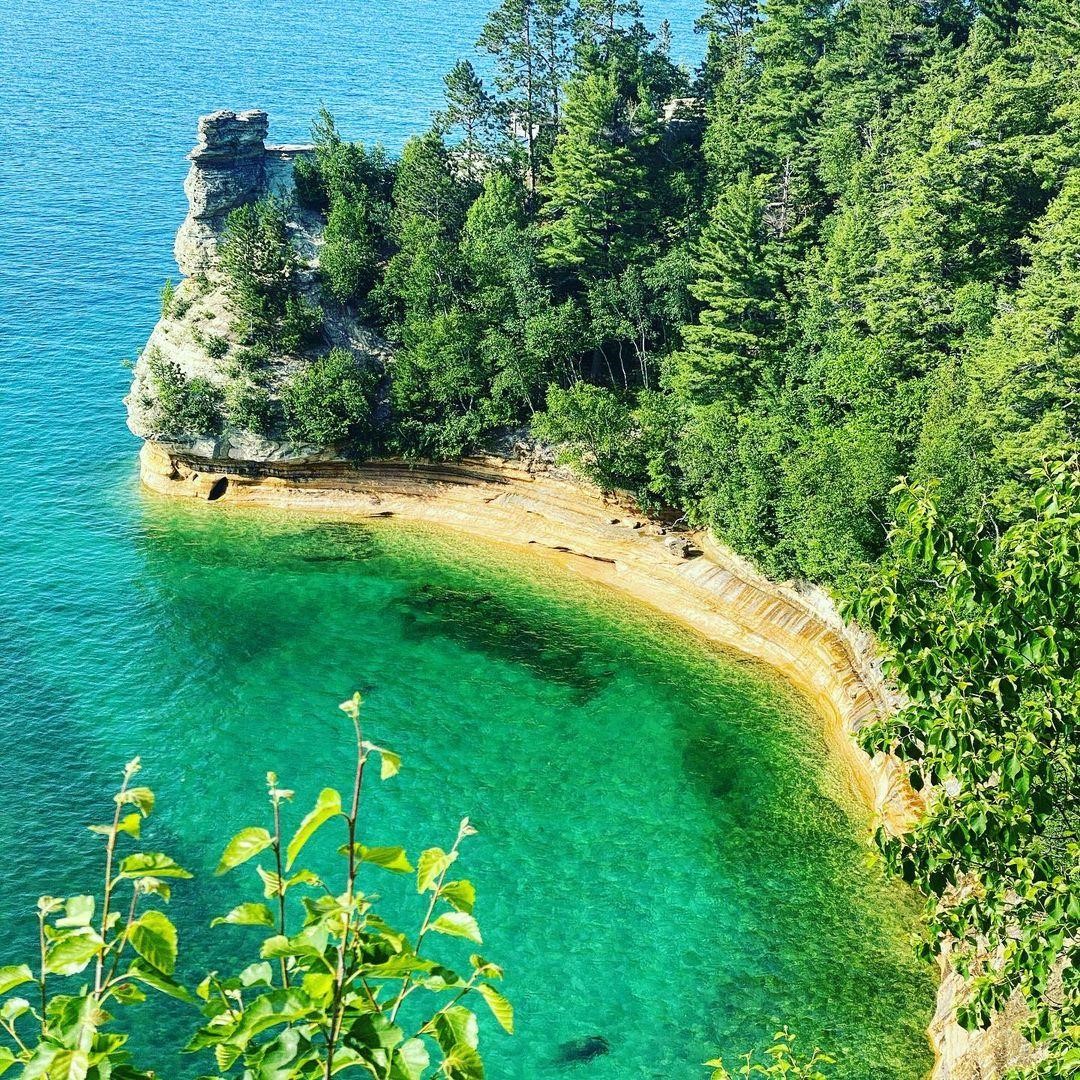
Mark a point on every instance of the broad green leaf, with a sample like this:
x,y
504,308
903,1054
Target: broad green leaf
x,y
410,1060
389,762
500,1008
71,951
78,911
7,1059
454,1027
128,994
131,824
142,972
458,924
142,798
226,1056
271,881
485,968
67,1065
14,975
153,937
459,894
463,1063
13,1008
327,806
246,915
275,1007
389,858
151,864
257,974
431,865
246,844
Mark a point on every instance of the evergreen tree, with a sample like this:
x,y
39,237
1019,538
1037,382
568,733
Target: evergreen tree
x,y
1028,373
597,197
729,350
470,108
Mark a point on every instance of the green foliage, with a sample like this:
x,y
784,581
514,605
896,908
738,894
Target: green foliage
x,y
329,401
263,279
981,632
182,406
329,979
598,189
99,956
781,1061
168,295
247,406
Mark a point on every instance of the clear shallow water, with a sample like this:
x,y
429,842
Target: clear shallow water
x,y
665,856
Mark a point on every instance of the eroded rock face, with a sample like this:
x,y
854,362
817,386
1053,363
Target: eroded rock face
x,y
227,170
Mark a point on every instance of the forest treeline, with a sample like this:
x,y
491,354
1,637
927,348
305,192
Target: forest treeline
x,y
844,250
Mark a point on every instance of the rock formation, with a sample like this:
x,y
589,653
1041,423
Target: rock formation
x,y
230,166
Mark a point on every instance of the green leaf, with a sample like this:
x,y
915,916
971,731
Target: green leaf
x,y
128,994
131,824
246,915
455,1026
13,1008
142,972
409,1061
327,806
14,975
7,1059
71,951
463,1063
142,798
271,881
458,924
246,844
459,894
389,762
151,864
389,858
153,937
432,864
78,911
500,1008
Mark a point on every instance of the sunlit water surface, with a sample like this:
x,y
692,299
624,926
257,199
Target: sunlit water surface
x,y
665,858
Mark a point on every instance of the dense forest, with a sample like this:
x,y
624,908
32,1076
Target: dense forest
x,y
821,295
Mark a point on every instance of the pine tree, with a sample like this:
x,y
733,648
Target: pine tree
x,y
470,108
1029,371
728,351
508,36
598,193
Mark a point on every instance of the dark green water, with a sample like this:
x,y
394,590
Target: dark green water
x,y
666,855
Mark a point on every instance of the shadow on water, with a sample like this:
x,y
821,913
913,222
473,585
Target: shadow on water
x,y
479,621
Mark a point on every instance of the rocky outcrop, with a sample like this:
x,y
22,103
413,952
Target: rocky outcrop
x,y
230,166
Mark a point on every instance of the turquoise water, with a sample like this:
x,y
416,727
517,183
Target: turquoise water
x,y
666,856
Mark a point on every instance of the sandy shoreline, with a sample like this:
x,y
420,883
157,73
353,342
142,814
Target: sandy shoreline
x,y
797,634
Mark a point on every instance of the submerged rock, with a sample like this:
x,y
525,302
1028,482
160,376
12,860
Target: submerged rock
x,y
579,1051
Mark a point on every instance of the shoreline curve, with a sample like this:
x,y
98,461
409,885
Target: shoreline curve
x,y
687,576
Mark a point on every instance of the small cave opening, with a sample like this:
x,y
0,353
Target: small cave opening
x,y
218,488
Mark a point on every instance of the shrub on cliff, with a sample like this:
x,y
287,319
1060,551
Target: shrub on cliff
x,y
328,402
321,994
182,406
263,279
